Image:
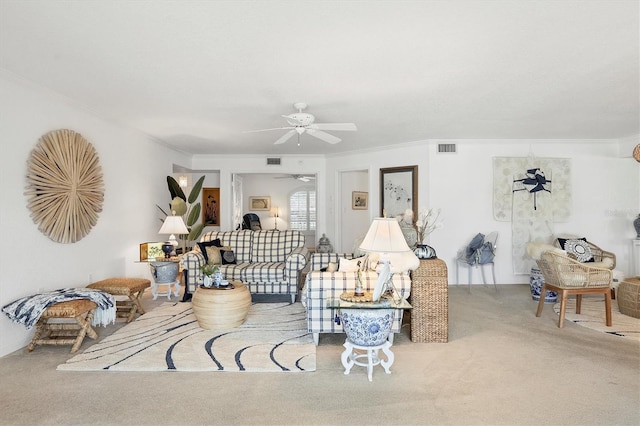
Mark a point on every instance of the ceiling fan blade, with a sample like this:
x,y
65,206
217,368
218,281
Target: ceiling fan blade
x,y
294,119
303,178
334,126
267,130
323,136
285,137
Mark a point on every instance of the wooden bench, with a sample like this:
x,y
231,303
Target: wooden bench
x,y
133,288
57,333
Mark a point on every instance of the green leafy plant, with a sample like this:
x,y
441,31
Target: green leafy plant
x,y
209,269
190,212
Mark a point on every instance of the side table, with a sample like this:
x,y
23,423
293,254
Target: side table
x,y
367,325
430,301
165,273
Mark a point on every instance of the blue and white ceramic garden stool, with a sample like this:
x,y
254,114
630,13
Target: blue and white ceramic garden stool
x,y
367,332
165,273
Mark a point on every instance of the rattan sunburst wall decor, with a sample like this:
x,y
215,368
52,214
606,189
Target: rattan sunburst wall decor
x,y
636,153
64,186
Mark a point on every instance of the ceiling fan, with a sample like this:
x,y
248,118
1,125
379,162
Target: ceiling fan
x,y
302,122
301,178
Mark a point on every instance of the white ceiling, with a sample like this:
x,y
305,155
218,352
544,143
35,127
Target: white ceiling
x,y
195,74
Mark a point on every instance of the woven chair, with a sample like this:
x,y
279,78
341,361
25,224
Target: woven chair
x,y
567,276
602,258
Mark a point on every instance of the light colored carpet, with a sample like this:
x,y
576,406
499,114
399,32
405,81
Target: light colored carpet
x,y
592,315
274,338
501,366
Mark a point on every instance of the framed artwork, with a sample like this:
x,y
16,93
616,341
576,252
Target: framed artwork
x,y
211,206
260,203
398,190
359,200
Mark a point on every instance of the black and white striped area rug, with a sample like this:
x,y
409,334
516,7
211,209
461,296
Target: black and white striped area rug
x,y
592,315
274,338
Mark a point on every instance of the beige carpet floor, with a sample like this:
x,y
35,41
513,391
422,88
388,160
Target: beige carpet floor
x,y
502,366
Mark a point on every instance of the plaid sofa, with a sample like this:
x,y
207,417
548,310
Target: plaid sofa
x,y
268,262
320,286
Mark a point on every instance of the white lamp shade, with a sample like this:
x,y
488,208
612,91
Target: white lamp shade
x,y
384,236
173,225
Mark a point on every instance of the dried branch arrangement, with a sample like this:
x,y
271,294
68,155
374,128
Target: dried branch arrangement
x,y
64,185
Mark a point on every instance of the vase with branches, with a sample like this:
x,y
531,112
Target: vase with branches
x,y
427,222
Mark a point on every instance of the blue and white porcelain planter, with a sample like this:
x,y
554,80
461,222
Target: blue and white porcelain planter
x,y
536,281
164,272
367,327
425,251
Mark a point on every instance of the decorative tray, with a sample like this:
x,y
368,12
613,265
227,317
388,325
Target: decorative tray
x,y
348,296
228,286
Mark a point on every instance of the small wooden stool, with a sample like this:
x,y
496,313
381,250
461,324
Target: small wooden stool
x,y
133,288
47,333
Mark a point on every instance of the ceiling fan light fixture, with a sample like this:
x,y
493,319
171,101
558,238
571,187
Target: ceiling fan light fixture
x,y
301,122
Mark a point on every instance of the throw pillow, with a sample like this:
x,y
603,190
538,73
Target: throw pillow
x,y
203,247
347,265
473,247
213,254
580,249
563,241
228,257
371,262
332,267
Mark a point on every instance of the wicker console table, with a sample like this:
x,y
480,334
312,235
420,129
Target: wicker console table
x,y
430,301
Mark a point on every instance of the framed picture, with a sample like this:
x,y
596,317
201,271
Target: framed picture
x,y
398,190
211,206
359,200
260,203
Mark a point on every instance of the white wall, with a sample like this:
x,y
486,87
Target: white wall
x,y
134,169
354,224
605,193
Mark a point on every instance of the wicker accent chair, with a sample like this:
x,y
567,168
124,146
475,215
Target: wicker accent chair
x,y
567,276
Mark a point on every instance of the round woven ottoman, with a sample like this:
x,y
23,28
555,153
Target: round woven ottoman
x,y
221,308
629,297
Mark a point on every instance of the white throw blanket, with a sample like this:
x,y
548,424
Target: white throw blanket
x,y
27,311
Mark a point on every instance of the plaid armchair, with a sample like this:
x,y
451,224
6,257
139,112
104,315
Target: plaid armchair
x,y
267,262
320,286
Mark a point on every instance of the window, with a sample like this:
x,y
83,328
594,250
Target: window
x,y
302,210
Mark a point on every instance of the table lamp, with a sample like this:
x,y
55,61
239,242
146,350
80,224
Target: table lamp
x,y
384,237
275,213
172,225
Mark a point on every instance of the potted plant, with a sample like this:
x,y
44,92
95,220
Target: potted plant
x,y
190,212
212,275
